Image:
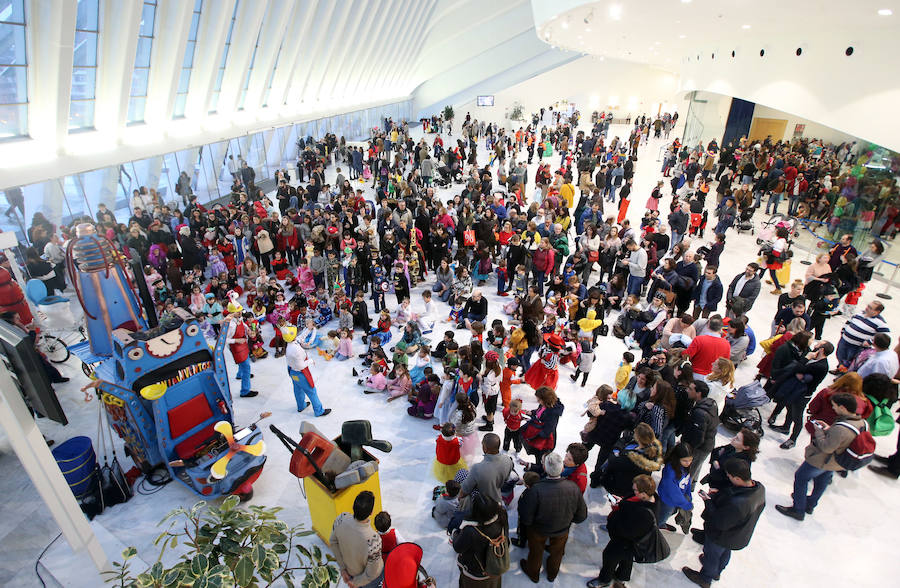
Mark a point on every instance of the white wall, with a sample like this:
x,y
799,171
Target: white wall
x,y
813,130
856,95
591,84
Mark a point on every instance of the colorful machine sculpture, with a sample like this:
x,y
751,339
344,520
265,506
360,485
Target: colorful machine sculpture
x,y
165,390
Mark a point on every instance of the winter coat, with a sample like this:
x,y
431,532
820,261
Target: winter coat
x,y
551,505
713,293
621,469
716,477
632,520
731,514
542,260
675,490
471,546
826,444
700,431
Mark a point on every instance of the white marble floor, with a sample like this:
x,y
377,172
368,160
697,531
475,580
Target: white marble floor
x,y
783,552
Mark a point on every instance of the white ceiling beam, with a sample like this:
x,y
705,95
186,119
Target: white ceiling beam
x,y
311,50
275,30
363,54
281,83
119,27
173,25
378,71
336,34
215,18
247,26
401,77
382,50
338,67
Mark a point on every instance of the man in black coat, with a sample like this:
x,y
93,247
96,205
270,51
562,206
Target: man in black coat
x,y
745,285
799,382
628,524
730,517
546,512
678,222
700,431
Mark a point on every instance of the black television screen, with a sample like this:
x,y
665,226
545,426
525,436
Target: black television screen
x,y
485,100
24,365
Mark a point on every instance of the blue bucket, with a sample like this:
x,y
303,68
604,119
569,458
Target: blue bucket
x,y
78,463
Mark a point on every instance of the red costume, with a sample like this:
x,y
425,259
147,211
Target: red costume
x,y
545,372
12,299
447,451
240,351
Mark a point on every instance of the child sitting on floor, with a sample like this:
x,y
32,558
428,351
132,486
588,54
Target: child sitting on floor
x,y
376,382
329,345
447,503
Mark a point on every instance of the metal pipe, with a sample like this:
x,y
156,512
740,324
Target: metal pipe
x,y
104,310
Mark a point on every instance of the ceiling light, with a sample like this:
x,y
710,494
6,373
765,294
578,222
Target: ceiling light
x,y
685,1
885,12
682,36
745,26
587,30
658,43
565,24
615,11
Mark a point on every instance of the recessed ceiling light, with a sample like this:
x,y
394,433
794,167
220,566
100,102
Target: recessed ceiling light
x,y
565,24
685,1
682,36
885,12
588,29
658,43
745,26
615,11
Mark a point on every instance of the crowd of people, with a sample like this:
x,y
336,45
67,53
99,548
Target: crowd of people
x,y
314,260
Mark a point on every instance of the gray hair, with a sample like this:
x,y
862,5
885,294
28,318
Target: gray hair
x,y
553,465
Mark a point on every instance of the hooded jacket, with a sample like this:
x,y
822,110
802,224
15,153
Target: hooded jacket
x,y
731,515
621,469
703,421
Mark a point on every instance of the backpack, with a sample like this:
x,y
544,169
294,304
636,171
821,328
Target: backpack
x,y
496,560
881,421
860,451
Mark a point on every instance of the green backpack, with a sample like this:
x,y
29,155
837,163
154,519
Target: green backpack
x,y
881,421
496,562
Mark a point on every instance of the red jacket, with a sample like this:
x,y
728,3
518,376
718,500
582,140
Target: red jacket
x,y
513,421
580,477
542,259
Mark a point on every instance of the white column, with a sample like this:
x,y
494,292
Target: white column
x,y
46,476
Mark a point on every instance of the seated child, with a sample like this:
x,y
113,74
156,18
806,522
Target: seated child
x,y
376,382
329,345
383,331
403,313
441,350
345,345
401,384
447,503
426,397
309,336
421,363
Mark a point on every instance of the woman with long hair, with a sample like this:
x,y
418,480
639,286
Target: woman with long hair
x,y
539,435
720,381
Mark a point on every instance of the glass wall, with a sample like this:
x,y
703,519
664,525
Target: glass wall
x,y
13,70
64,199
84,65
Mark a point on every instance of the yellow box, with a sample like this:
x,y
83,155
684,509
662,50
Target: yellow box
x,y
325,506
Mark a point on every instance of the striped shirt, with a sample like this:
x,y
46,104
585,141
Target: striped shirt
x,y
860,329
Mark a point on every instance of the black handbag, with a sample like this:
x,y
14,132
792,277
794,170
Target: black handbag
x,y
604,330
652,547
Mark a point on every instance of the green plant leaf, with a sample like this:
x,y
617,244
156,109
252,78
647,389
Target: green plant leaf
x,y
229,503
305,533
243,571
321,573
173,542
280,548
288,580
258,554
304,551
333,573
317,554
226,545
145,580
173,577
201,582
128,553
156,571
199,565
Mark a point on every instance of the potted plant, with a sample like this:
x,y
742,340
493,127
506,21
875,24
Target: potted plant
x,y
448,113
515,112
229,546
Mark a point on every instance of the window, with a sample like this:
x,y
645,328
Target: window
x,y
217,89
249,73
140,77
84,65
187,65
13,70
265,98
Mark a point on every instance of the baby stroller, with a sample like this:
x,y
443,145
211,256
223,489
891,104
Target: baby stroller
x,y
768,227
742,410
745,220
443,178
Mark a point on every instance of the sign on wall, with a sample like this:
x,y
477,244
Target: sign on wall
x,y
798,130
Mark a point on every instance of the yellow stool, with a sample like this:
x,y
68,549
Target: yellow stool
x,y
325,506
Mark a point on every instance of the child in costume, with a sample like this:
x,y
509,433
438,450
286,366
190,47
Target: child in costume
x,y
305,279
213,311
345,346
254,338
376,382
623,373
360,313
197,300
421,361
426,395
403,313
323,313
383,331
215,265
446,402
509,378
329,345
425,320
463,418
490,388
545,372
585,361
400,278
496,339
441,350
456,311
512,417
448,459
280,266
390,538
309,336
401,384
345,319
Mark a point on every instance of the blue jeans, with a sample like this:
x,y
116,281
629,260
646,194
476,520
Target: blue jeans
x,y
802,477
676,239
612,192
758,199
665,511
243,374
846,352
793,204
774,200
715,558
634,285
539,278
302,390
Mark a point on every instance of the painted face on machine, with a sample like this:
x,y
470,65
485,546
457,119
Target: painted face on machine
x,y
165,345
